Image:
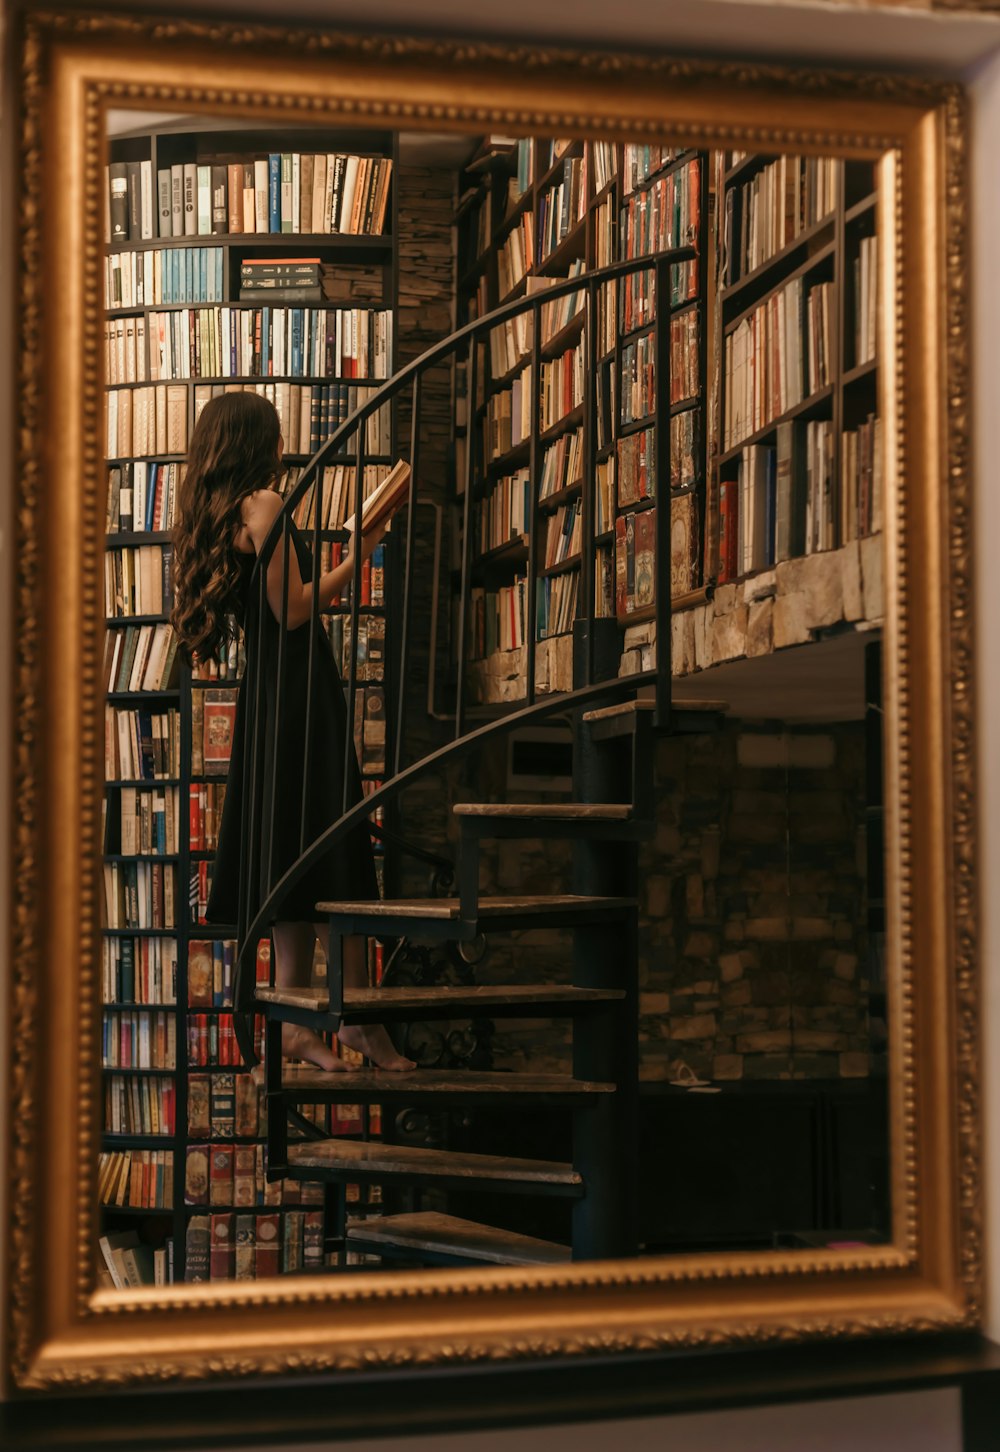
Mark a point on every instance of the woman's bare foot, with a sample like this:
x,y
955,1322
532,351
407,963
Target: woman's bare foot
x,y
373,1041
303,1043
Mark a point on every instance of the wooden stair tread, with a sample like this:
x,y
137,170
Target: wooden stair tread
x,y
429,1081
629,708
447,1234
448,909
605,811
402,1159
433,1001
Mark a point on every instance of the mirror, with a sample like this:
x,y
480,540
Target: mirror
x,y
641,926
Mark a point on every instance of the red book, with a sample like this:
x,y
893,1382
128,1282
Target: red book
x,y
222,1252
194,820
264,960
336,558
268,1258
366,582
728,529
220,1175
621,567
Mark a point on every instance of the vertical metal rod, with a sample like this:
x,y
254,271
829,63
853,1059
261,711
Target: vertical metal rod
x,y
319,520
249,882
408,574
470,474
534,452
359,487
661,383
279,694
588,489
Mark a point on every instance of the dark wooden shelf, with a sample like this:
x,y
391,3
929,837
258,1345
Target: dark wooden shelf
x,y
131,1069
116,622
825,254
309,379
554,173
171,694
124,538
551,502
335,241
562,567
145,458
863,372
809,405
567,250
515,551
145,784
777,260
569,333
245,303
866,204
141,856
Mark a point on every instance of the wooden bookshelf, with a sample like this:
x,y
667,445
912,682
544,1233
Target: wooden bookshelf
x,y
141,951
605,185
796,472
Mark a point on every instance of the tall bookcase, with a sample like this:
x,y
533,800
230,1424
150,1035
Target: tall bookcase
x,y
799,447
178,330
533,211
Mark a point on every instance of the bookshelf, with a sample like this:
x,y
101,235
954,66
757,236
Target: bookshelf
x,y
531,211
798,464
189,315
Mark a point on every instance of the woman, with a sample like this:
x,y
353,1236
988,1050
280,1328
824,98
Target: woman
x,y
226,507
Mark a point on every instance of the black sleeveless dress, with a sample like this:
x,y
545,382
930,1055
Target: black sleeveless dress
x,y
347,871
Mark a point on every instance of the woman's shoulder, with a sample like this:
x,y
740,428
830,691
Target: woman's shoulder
x,y
259,511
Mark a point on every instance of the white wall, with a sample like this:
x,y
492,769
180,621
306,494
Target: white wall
x,y
920,1422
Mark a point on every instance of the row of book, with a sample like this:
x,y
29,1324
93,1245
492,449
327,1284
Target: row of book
x,y
205,800
226,1104
235,1176
685,355
137,580
145,823
555,604
507,421
562,464
139,1040
337,494
604,158
128,1262
641,160
311,193
865,301
140,658
309,414
505,513
562,207
139,970
776,206
497,618
211,1041
139,1104
143,421
635,561
211,968
244,341
664,215
637,393
560,386
227,1246
213,719
159,275
142,496
138,1179
764,363
604,496
514,256
636,454
372,575
227,663
141,745
125,351
564,534
370,729
140,895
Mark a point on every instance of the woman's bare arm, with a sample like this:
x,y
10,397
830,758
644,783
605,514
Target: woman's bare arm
x,y
259,512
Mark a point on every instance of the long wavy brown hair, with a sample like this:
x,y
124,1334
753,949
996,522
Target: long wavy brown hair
x,y
233,453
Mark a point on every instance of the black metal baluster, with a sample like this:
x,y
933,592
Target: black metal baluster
x,y
286,542
588,487
250,845
470,446
661,383
530,627
352,687
319,515
408,572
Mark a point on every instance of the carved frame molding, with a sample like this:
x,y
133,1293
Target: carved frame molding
x,y
60,1333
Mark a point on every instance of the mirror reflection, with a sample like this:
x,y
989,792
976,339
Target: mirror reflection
x,y
501,882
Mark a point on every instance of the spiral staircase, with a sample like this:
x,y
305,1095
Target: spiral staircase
x,y
615,722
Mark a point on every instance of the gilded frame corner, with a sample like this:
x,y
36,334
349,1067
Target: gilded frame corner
x,y
59,1332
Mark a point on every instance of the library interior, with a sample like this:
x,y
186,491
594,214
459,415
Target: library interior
x,y
612,678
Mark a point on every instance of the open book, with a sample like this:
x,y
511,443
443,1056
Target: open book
x,y
383,501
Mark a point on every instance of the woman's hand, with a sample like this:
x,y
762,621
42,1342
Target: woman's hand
x,y
369,541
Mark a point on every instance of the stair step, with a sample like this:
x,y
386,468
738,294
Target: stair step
x,y
356,1086
577,821
446,1237
385,1005
687,717
646,703
441,917
346,1159
606,811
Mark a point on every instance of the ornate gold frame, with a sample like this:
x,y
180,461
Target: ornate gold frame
x,y
61,1333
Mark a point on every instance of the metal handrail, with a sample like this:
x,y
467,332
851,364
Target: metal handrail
x,y
252,925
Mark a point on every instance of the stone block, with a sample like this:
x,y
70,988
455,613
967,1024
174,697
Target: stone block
x,y
657,896
711,846
727,1066
769,987
694,895
760,587
791,620
819,1040
698,1026
729,635
760,628
845,966
735,995
810,929
850,575
854,1065
724,600
766,1066
702,635
700,945
768,930
813,751
668,840
731,967
844,994
872,567
764,1041
652,1004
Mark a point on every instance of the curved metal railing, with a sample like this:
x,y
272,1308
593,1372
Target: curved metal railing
x,y
256,916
